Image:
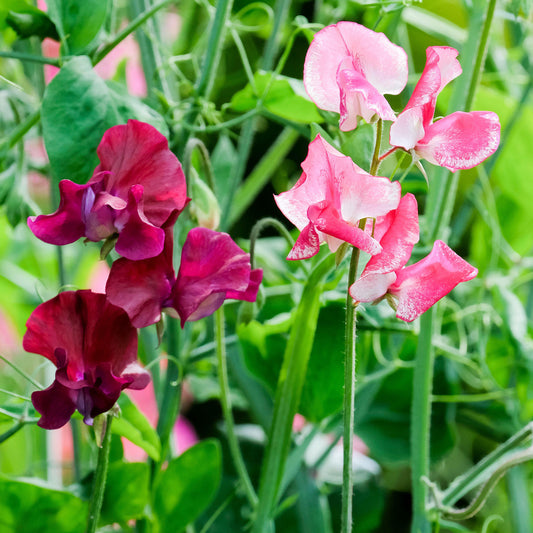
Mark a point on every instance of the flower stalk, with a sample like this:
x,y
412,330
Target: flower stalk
x,y
225,400
100,477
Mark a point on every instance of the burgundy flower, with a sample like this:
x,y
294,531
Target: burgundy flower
x,y
94,347
137,188
213,268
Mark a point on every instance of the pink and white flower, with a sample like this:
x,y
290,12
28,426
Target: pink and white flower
x,y
330,199
457,141
348,68
412,290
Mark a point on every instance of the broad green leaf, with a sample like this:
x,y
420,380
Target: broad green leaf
x,y
16,6
285,98
126,492
77,22
78,107
187,486
32,507
134,426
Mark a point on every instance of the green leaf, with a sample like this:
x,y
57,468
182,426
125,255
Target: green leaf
x,y
286,98
32,507
30,24
187,486
77,22
126,492
16,6
78,107
134,426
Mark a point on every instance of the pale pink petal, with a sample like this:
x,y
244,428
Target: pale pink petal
x,y
357,52
307,244
461,140
408,129
424,283
360,99
371,286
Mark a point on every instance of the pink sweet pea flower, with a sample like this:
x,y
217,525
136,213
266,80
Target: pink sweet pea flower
x,y
413,289
348,68
213,268
330,198
94,347
458,141
137,188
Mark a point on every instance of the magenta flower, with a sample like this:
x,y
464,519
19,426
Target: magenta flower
x,y
137,188
330,198
458,141
412,290
213,268
348,68
94,347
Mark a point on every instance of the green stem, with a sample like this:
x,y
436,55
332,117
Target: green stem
x,y
281,10
259,226
100,477
214,48
30,57
225,400
375,157
130,28
349,398
21,130
441,197
12,430
168,411
421,422
288,393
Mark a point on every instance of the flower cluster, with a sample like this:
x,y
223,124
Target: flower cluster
x,y
132,200
348,70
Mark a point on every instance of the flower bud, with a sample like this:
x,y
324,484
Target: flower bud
x,y
204,205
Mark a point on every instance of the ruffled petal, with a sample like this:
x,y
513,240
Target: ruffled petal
x,y
397,243
360,99
382,63
138,238
142,288
212,266
424,283
56,405
136,153
66,224
461,140
307,244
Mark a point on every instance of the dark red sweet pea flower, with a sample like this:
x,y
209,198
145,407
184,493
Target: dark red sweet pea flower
x,y
213,268
94,347
137,188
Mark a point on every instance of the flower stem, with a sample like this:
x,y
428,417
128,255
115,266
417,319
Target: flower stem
x,y
168,411
375,157
225,400
97,496
349,396
421,422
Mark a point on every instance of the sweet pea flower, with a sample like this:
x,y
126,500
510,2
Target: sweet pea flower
x,y
94,347
348,68
412,290
332,195
457,141
137,188
213,268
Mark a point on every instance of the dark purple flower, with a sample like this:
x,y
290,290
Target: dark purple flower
x,y
94,347
213,268
138,188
